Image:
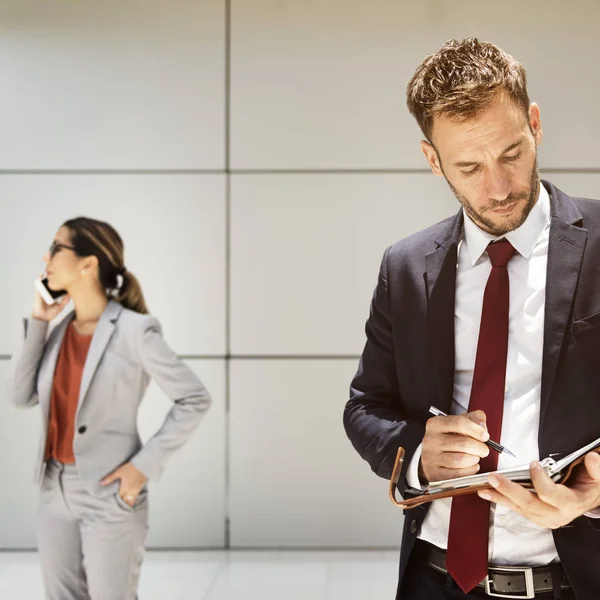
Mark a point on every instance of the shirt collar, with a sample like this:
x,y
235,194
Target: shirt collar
x,y
524,238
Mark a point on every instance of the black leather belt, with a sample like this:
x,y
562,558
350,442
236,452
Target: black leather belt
x,y
501,582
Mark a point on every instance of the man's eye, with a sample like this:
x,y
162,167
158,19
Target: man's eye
x,y
513,157
471,171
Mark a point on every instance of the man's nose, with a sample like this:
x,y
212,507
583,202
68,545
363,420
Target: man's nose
x,y
498,184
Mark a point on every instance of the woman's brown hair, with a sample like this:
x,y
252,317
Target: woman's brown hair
x,y
90,237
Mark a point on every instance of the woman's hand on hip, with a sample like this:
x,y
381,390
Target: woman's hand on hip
x,y
132,482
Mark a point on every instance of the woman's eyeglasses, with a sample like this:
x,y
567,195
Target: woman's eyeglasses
x,y
56,247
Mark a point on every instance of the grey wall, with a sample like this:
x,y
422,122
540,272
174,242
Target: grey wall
x,y
257,158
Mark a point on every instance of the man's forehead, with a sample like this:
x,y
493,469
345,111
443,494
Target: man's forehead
x,y
461,138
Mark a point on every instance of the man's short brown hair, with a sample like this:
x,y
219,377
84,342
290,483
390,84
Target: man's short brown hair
x,y
461,79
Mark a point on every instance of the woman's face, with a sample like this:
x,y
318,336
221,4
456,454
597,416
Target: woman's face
x,y
63,266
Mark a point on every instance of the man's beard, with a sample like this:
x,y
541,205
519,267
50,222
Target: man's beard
x,y
510,224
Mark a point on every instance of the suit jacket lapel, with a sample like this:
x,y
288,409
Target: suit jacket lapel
x,y
102,334
565,252
48,366
440,278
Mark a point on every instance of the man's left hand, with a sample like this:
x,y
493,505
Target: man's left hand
x,y
132,482
553,505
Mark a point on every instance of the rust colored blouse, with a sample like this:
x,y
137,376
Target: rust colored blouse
x,y
65,395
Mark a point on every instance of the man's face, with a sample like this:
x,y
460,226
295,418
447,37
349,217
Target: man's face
x,y
490,162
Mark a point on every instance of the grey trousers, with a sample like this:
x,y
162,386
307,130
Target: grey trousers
x,y
90,548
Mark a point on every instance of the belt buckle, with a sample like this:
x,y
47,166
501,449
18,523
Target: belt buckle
x,y
529,586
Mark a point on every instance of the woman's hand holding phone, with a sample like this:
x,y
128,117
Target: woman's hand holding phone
x,y
47,312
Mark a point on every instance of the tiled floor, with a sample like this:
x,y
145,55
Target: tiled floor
x,y
236,575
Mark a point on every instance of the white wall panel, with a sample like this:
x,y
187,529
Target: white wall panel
x,y
173,227
139,85
295,478
19,438
187,505
136,84
321,85
306,251
582,185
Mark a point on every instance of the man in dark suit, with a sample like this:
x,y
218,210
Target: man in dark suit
x,y
493,316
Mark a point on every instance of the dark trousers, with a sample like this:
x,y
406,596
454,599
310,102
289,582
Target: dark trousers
x,y
421,582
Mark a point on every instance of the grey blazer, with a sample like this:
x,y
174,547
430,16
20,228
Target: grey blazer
x,y
127,349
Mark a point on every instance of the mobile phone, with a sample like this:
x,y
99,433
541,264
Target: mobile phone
x,y
49,296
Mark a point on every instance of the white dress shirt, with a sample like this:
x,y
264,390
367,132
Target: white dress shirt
x,y
513,539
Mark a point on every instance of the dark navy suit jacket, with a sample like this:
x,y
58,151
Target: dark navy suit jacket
x,y
408,361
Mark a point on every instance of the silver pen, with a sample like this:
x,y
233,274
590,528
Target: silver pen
x,y
494,445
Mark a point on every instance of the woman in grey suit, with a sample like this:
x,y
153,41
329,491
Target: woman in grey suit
x,y
89,375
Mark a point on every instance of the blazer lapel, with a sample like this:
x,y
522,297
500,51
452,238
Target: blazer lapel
x,y
102,334
48,367
565,253
440,278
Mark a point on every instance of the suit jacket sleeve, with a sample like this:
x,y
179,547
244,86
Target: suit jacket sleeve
x,y
24,366
374,418
190,399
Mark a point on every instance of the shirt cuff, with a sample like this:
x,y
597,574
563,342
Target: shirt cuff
x,y
593,514
412,472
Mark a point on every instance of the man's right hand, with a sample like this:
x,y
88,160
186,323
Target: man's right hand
x,y
47,312
453,446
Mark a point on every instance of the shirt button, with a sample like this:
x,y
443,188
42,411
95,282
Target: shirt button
x,y
414,526
502,520
82,429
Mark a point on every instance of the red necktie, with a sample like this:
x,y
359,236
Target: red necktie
x,y
467,556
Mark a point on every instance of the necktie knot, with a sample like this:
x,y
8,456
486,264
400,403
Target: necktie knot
x,y
500,252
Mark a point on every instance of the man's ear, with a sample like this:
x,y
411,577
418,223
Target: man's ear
x,y
432,158
535,122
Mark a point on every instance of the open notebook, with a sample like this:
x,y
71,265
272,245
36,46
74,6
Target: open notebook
x,y
558,470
